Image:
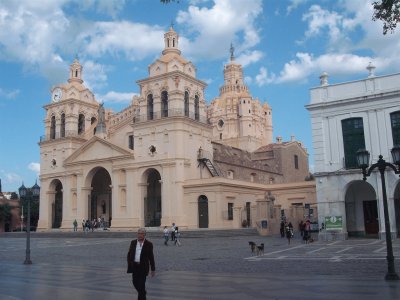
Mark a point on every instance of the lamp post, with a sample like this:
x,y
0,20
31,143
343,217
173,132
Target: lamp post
x,y
363,162
28,194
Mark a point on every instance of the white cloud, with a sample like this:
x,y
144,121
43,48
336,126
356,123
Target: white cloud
x,y
109,7
12,178
133,40
35,167
216,27
249,57
262,78
293,5
94,74
9,94
305,64
319,19
116,97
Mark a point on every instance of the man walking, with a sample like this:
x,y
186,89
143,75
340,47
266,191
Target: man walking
x,y
140,260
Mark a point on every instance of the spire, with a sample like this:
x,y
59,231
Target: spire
x,y
171,39
232,50
75,74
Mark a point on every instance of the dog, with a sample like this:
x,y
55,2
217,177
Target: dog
x,y
260,249
252,246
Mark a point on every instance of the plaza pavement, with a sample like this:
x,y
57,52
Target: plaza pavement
x,y
75,266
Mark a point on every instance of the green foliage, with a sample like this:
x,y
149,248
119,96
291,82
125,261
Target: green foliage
x,y
387,11
5,213
14,196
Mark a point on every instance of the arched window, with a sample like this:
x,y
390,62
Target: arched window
x,y
81,124
62,129
196,108
173,42
395,122
53,128
186,104
164,104
150,107
76,73
353,140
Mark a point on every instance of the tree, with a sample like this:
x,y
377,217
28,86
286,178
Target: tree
x,y
14,196
387,11
5,213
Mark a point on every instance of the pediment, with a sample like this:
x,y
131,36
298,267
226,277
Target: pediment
x,y
97,149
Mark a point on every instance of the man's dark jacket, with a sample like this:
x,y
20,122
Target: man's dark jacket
x,y
146,257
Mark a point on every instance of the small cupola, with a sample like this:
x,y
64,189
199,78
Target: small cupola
x,y
171,42
75,73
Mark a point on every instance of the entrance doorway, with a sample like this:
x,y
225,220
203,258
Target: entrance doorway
x,y
396,198
370,217
152,202
361,209
57,205
203,211
100,202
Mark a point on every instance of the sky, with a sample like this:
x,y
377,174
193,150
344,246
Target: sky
x,y
283,45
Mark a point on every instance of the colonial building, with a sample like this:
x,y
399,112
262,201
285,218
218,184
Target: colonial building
x,y
346,117
167,157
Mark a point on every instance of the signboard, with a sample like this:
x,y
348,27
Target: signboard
x,y
333,223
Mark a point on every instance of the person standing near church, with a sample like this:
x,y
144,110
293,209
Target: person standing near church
x,y
140,261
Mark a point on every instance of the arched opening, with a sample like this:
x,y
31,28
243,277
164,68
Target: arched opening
x,y
57,205
152,201
100,199
164,104
92,121
62,129
81,123
150,107
361,210
53,128
203,211
186,104
396,198
196,108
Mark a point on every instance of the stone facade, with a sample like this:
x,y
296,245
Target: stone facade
x,y
156,161
346,117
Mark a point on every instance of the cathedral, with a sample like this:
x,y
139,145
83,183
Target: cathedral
x,y
168,157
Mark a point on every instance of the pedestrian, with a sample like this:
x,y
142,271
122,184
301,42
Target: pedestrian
x,y
173,232
75,223
140,260
289,232
177,237
83,225
282,229
166,235
301,228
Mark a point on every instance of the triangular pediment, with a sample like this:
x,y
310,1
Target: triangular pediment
x,y
97,149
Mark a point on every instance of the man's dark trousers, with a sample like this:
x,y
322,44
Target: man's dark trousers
x,y
139,281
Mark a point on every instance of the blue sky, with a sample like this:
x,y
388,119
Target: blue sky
x,y
283,45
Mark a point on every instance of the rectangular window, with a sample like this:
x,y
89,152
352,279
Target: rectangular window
x,y
230,211
296,162
395,122
131,142
353,140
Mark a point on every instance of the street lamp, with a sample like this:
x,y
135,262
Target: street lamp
x,y
363,162
28,194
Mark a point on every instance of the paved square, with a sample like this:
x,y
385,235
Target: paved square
x,y
208,267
